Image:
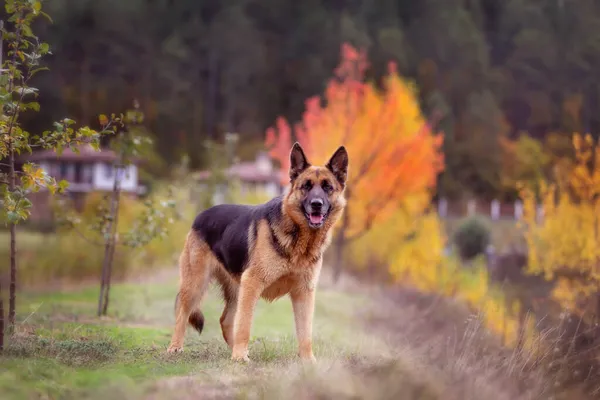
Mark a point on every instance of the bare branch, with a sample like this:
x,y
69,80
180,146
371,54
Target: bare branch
x,y
83,236
77,141
360,233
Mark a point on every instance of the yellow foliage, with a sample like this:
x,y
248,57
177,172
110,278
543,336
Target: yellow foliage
x,y
413,249
566,243
418,257
403,234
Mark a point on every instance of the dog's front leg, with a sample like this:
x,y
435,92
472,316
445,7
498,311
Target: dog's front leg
x,y
249,293
303,303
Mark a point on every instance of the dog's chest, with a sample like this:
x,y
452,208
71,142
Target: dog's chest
x,y
301,280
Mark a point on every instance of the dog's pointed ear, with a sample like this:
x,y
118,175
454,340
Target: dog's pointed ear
x,y
338,165
298,161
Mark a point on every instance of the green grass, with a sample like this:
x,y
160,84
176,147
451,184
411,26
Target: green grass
x,y
27,239
62,350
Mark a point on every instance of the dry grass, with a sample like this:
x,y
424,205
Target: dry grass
x,y
456,349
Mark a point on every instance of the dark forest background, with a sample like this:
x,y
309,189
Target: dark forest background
x,y
492,69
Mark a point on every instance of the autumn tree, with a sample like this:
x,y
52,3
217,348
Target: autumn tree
x,y
394,156
564,242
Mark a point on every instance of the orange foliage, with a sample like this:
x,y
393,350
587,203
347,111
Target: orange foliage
x,y
394,156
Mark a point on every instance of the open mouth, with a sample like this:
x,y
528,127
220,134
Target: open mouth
x,y
315,220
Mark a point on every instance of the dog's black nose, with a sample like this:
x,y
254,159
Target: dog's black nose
x,y
316,203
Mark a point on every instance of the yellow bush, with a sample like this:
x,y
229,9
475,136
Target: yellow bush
x,y
412,246
565,244
418,257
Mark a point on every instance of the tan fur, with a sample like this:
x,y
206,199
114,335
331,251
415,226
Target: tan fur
x,y
268,275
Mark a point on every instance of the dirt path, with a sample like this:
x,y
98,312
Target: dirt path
x,y
422,347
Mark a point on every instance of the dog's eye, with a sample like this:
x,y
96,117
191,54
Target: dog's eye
x,y
327,186
307,185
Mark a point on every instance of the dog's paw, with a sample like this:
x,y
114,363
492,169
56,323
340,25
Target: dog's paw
x,y
309,360
240,356
175,349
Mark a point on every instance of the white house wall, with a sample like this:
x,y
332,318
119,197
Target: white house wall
x,y
104,177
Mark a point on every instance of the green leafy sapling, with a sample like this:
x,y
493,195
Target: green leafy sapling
x,y
129,143
22,62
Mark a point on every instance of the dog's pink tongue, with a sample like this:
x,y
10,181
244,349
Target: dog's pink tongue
x,y
316,219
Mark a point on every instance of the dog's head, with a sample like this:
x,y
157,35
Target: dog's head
x,y
317,193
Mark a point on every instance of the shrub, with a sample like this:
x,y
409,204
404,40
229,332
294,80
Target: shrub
x,y
472,237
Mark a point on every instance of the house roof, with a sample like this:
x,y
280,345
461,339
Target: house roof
x,y
86,153
247,172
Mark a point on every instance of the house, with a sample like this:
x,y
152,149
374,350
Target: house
x,y
89,171
258,176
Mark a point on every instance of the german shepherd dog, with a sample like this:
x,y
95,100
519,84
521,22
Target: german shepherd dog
x,y
267,251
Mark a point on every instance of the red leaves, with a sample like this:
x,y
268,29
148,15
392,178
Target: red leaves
x,y
279,144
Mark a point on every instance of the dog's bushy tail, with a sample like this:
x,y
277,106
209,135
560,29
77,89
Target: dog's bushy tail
x,y
196,318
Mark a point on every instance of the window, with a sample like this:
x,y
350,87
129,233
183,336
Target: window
x,y
121,174
108,170
63,170
87,173
78,166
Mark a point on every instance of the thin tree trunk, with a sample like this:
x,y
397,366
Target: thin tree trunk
x,y
111,252
85,90
147,105
341,236
337,263
213,82
340,243
1,318
194,139
1,299
12,302
110,243
103,276
13,245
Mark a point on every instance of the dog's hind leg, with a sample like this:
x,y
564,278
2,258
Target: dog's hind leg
x,y
194,269
230,289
